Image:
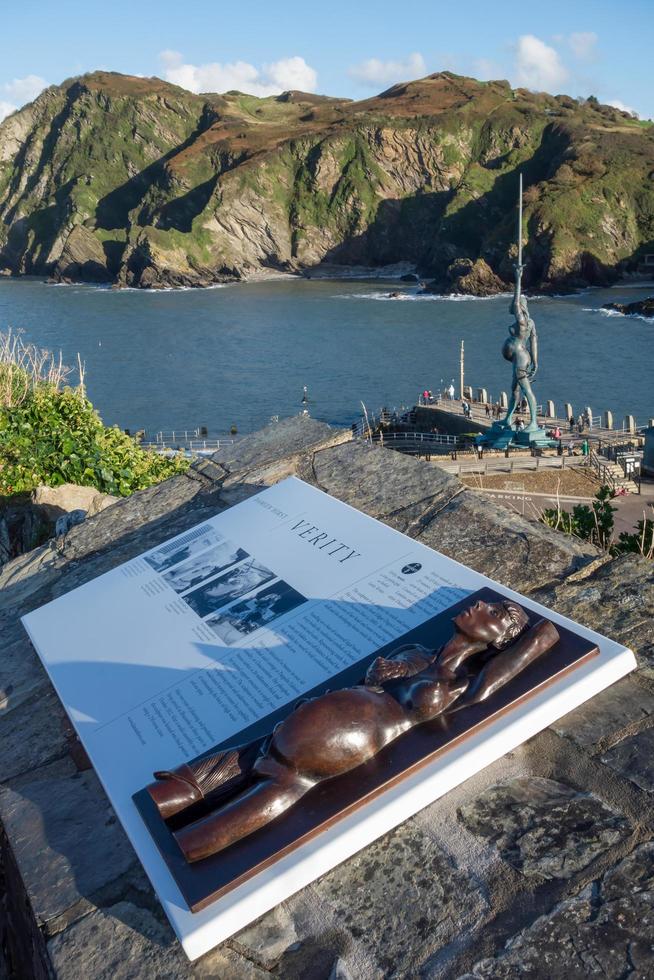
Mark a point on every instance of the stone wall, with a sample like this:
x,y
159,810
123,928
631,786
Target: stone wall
x,y
540,865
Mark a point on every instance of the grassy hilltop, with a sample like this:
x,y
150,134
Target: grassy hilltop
x,y
113,178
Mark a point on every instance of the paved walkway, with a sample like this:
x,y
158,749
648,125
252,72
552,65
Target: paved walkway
x,y
629,509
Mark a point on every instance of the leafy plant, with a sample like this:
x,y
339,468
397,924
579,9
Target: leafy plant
x,y
51,434
594,523
640,542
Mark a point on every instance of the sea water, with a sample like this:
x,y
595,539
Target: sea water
x,y
239,355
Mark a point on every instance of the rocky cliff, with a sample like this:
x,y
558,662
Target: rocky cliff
x,y
135,181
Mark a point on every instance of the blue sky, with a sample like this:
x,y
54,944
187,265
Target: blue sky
x,y
337,48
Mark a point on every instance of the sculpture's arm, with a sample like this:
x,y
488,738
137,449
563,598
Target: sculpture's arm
x,y
518,288
511,662
405,661
534,350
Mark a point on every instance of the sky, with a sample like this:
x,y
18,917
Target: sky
x,y
353,49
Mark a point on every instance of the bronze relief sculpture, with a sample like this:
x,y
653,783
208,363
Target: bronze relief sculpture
x,y
251,785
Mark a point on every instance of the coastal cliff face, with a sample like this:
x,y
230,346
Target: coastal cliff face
x,y
138,182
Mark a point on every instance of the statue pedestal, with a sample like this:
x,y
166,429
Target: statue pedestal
x,y
501,436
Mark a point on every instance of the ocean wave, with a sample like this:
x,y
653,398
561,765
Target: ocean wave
x,y
626,316
169,289
420,297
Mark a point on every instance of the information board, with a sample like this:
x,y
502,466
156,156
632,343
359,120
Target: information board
x,y
179,649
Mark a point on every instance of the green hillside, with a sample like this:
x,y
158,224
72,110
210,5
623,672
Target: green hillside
x,y
135,181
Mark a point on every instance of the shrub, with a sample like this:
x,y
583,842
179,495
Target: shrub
x,y
50,434
594,523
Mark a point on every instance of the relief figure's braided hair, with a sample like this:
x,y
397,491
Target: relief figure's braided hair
x,y
519,621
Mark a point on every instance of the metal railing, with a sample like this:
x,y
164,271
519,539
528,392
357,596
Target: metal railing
x,y
518,464
603,470
192,445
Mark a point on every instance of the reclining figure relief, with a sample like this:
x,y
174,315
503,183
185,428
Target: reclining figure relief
x,y
253,784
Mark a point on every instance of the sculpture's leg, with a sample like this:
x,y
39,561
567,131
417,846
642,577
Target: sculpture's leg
x,y
250,811
513,402
215,776
531,402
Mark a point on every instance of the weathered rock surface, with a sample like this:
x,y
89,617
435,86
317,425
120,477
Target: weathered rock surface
x,y
634,758
544,828
469,277
82,258
126,941
55,501
606,931
369,893
615,598
438,894
623,707
53,821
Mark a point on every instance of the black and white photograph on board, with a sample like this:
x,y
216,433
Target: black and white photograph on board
x,y
244,578
205,565
256,611
197,540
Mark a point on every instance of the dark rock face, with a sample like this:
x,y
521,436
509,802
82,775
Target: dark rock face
x,y
475,278
644,307
82,259
606,931
634,759
543,828
541,865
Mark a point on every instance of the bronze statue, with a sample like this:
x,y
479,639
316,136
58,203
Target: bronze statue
x,y
330,735
521,346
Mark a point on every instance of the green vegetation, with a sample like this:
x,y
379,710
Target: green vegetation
x,y
595,524
51,434
210,183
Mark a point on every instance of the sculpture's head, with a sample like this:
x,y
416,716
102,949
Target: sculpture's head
x,y
494,623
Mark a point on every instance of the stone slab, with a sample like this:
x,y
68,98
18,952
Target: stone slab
x,y
402,491
634,758
402,898
278,440
616,599
34,733
543,828
66,839
607,931
126,942
21,673
499,543
267,939
624,704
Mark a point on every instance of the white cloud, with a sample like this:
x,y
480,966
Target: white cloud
x,y
538,66
19,91
6,108
271,79
617,104
583,44
375,72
